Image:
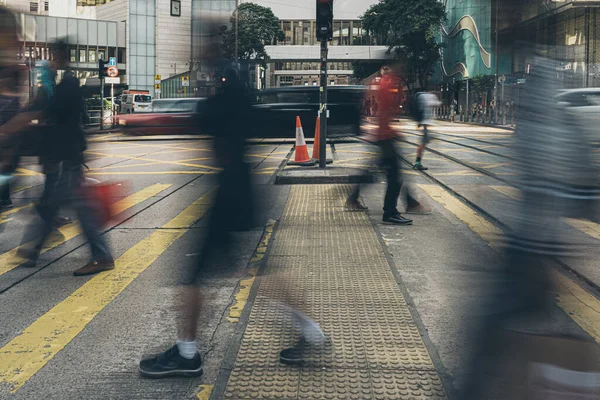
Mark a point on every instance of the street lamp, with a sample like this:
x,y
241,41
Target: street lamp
x,y
237,22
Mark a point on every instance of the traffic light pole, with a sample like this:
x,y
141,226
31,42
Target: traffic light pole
x,y
323,113
101,103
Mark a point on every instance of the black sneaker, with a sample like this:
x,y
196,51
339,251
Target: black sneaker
x,y
171,363
397,220
28,256
6,203
419,167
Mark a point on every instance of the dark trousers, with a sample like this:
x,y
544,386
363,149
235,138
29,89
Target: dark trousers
x,y
391,164
69,189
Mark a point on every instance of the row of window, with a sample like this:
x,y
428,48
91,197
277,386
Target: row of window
x,y
34,6
311,66
345,33
91,54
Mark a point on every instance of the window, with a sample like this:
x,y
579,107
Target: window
x,y
92,55
72,54
287,29
121,55
46,6
82,57
33,6
102,54
112,52
142,98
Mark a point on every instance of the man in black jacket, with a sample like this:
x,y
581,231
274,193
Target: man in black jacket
x,y
65,144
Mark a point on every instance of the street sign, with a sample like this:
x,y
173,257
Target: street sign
x,y
157,86
112,81
112,61
157,79
185,81
112,71
502,79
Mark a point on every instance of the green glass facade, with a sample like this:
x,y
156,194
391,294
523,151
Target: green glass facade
x,y
467,38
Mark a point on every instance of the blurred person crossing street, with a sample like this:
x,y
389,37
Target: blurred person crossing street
x,y
425,103
225,115
64,143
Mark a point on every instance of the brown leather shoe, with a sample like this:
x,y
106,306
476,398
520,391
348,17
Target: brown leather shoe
x,y
94,267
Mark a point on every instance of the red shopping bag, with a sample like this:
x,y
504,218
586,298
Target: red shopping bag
x,y
105,196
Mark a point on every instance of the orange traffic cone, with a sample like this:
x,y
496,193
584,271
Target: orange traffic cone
x,y
301,157
317,144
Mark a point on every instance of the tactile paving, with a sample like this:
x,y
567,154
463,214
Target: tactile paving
x,y
329,265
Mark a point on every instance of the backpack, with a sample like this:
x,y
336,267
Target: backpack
x,y
416,110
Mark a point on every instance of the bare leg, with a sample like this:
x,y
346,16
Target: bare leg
x,y
191,303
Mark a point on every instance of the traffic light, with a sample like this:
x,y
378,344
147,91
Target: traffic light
x,y
102,69
324,20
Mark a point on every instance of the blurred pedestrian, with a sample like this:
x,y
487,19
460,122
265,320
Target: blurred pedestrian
x,y
374,107
226,116
9,102
425,102
65,143
386,137
547,139
367,107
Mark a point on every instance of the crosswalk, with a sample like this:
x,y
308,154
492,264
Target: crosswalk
x,y
23,356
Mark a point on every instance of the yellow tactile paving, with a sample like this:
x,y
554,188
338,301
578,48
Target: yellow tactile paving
x,y
330,265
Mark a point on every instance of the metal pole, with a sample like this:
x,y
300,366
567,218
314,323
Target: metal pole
x,y
496,75
112,103
101,103
237,22
468,108
323,112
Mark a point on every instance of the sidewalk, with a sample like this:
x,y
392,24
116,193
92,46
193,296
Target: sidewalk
x,y
330,265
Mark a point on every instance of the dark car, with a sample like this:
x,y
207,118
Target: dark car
x,y
169,117
276,110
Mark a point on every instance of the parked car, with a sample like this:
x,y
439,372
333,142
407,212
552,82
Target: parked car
x,y
137,103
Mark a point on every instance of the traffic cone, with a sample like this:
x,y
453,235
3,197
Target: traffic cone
x,y
301,157
317,144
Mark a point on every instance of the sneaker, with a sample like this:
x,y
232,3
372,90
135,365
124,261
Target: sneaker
x,y
397,220
294,355
171,363
94,267
420,167
6,203
419,209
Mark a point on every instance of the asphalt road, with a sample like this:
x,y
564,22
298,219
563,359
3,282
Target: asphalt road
x,y
66,337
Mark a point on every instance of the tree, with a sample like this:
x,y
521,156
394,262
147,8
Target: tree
x,y
257,27
482,85
409,29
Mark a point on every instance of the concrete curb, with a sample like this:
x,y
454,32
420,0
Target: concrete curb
x,y
317,176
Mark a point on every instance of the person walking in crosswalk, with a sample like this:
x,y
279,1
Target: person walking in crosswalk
x,y
65,143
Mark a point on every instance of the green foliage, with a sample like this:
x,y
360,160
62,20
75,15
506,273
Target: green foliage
x,y
257,27
482,84
409,29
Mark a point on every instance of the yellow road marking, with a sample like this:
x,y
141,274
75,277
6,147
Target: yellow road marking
x,y
509,191
156,161
205,392
4,221
465,172
15,210
105,173
10,260
241,297
167,146
581,306
491,166
27,172
27,353
18,189
588,227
